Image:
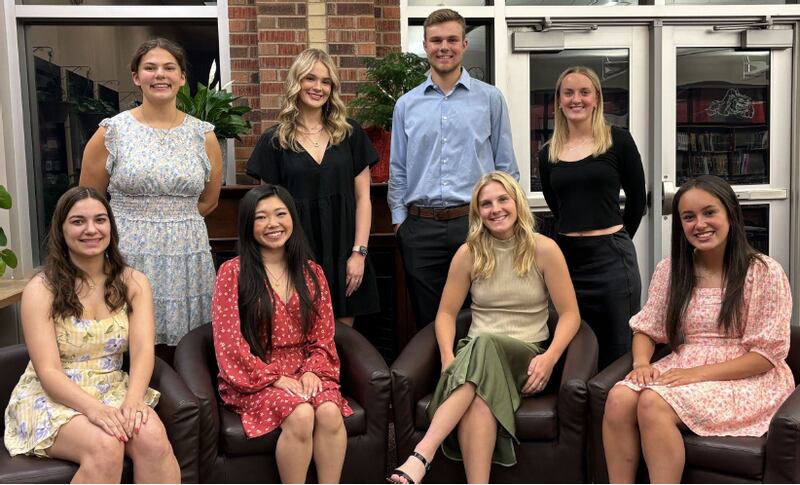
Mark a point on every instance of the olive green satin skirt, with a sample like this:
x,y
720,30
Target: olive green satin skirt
x,y
498,367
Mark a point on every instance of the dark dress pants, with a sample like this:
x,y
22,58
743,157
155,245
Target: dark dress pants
x,y
427,246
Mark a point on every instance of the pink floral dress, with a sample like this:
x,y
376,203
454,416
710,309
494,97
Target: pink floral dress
x,y
742,407
245,381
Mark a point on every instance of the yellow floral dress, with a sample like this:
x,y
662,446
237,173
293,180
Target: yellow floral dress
x,y
91,355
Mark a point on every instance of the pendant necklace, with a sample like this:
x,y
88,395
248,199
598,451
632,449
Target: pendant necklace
x,y
570,148
306,134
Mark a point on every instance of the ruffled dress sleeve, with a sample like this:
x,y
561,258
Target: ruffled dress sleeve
x,y
201,129
239,369
111,141
769,311
321,356
650,319
361,149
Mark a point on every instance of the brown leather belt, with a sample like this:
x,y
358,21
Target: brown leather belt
x,y
439,213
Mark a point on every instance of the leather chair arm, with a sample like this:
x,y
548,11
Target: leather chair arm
x,y
364,376
415,374
783,443
179,411
580,364
191,363
13,360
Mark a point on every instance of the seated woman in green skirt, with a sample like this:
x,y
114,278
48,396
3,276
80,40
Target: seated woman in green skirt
x,y
510,271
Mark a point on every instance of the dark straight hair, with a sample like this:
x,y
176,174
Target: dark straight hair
x,y
256,305
736,261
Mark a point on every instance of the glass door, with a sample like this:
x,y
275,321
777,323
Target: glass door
x,y
619,56
729,117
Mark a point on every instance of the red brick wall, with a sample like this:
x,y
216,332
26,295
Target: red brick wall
x,y
266,35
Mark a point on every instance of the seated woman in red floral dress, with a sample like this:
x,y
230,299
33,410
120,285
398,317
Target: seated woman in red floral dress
x,y
273,336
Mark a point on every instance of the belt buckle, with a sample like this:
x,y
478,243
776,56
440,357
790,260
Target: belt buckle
x,y
440,214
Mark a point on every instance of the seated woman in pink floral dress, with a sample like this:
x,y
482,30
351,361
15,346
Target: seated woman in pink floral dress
x,y
273,336
726,311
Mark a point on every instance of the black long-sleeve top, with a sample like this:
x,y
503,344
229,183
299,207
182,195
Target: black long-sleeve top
x,y
584,195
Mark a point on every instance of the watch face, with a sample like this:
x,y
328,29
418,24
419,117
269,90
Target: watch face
x,y
363,250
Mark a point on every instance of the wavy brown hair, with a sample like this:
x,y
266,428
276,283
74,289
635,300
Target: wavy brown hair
x,y
64,279
738,257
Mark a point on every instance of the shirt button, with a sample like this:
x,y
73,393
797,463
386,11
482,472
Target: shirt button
x,y
444,118
444,183
444,139
444,161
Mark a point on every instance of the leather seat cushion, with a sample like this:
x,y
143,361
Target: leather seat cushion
x,y
234,442
741,456
31,469
536,419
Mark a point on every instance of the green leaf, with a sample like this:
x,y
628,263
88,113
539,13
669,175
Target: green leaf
x,y
9,257
3,238
2,267
5,198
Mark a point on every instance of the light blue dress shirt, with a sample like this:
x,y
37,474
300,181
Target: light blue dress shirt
x,y
443,143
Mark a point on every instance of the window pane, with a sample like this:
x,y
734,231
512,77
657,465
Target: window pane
x,y
76,86
612,67
756,225
722,114
477,56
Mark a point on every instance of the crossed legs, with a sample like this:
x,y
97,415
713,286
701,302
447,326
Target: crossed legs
x,y
477,432
633,420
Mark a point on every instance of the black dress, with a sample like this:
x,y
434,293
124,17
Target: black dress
x,y
326,203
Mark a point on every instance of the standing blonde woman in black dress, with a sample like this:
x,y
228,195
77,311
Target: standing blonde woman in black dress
x,y
323,158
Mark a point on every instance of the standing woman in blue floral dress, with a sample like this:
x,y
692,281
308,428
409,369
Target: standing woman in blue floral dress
x,y
162,170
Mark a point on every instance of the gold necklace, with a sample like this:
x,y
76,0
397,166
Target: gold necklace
x,y
275,281
314,142
310,132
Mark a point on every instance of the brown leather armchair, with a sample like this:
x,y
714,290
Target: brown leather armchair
x,y
772,458
227,456
178,410
551,426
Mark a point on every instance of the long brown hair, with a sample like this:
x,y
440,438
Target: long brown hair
x,y
62,276
736,261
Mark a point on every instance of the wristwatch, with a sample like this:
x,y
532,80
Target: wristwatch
x,y
362,250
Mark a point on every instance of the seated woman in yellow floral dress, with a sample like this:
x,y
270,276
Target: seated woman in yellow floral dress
x,y
79,314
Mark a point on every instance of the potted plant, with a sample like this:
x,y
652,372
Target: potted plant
x,y
7,256
216,105
391,77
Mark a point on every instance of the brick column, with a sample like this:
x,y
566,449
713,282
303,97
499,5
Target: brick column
x,y
266,35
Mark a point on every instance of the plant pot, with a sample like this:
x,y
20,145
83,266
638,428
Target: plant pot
x,y
382,142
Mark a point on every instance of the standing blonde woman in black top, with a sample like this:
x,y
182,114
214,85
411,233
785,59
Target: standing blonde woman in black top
x,y
582,168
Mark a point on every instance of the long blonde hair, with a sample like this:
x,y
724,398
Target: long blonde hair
x,y
334,112
480,241
601,131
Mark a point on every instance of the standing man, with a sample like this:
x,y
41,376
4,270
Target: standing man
x,y
446,133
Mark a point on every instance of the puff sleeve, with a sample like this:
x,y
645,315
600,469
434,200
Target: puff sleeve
x,y
239,369
769,310
110,141
321,356
650,319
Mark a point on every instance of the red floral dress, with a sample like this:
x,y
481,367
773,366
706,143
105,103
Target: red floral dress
x,y
741,407
245,381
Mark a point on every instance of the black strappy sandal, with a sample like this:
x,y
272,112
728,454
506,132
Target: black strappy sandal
x,y
405,475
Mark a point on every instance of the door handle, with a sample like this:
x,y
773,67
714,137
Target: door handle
x,y
667,194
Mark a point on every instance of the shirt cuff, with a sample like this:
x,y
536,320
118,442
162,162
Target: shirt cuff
x,y
399,215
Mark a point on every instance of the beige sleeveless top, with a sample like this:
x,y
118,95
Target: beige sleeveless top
x,y
507,304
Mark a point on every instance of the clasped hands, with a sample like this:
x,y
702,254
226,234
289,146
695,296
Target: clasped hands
x,y
123,422
308,386
646,375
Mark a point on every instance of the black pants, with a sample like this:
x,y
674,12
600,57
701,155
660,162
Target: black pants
x,y
606,279
427,246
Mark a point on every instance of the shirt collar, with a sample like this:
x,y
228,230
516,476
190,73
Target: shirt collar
x,y
465,80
